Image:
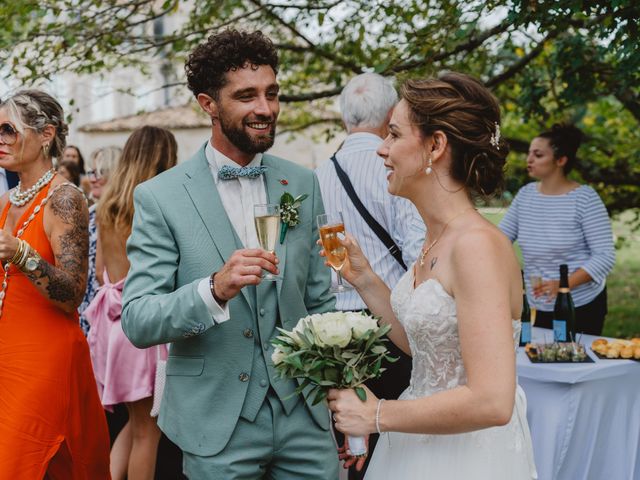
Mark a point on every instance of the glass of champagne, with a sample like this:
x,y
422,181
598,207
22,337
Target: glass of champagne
x,y
330,225
267,220
535,278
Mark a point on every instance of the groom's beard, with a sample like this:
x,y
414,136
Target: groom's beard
x,y
242,139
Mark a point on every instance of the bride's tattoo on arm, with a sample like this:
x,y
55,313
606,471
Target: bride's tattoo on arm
x,y
65,282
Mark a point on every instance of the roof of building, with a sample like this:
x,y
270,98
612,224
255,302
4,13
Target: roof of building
x,y
185,116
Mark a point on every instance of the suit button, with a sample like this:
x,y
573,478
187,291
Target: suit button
x,y
263,383
247,332
262,312
244,377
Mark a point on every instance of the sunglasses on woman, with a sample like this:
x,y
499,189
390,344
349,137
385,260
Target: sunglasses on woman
x,y
8,134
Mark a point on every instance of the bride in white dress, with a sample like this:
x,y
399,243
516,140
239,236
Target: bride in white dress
x,y
463,416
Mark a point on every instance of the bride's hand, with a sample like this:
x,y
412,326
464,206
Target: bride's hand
x,y
356,268
352,416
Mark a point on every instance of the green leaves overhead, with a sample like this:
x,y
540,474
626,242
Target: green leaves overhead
x,y
545,61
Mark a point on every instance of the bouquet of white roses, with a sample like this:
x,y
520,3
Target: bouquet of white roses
x,y
332,350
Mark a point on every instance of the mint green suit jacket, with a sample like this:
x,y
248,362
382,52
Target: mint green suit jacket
x,y
181,234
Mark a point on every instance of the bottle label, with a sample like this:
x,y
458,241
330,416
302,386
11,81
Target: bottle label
x,y
525,333
559,330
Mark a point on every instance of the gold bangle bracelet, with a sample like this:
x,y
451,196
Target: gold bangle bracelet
x,y
18,253
25,255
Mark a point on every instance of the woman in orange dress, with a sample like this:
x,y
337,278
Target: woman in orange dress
x,y
52,424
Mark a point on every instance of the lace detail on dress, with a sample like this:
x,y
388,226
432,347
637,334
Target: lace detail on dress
x,y
428,315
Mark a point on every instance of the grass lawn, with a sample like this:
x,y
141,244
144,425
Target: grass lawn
x,y
623,284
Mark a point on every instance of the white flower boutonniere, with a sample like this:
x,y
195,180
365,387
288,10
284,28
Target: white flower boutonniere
x,y
289,214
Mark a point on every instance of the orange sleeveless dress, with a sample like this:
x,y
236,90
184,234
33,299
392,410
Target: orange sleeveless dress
x,y
52,424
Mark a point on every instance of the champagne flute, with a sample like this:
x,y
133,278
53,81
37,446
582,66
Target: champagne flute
x,y
267,220
535,278
330,225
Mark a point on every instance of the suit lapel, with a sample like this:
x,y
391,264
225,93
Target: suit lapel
x,y
275,189
206,200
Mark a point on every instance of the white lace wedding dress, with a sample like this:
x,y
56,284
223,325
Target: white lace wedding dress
x,y
428,315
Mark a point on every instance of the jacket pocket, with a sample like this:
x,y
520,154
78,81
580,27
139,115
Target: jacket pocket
x,y
185,366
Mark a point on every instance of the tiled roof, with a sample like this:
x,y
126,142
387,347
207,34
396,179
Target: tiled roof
x,y
185,116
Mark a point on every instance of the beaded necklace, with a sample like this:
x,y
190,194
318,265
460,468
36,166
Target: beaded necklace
x,y
36,210
19,198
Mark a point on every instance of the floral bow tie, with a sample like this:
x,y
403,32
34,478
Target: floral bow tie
x,y
228,172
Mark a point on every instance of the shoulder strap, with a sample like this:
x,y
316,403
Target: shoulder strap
x,y
378,229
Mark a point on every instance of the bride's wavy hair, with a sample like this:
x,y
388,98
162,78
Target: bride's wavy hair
x,y
147,152
468,114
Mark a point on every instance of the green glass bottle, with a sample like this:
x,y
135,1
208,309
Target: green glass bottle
x,y
564,313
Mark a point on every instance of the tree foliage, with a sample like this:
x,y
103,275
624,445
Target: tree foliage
x,y
566,60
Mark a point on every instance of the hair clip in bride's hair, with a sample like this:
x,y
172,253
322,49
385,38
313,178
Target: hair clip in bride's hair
x,y
495,137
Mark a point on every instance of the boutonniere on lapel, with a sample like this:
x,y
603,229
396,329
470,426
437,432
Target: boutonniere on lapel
x,y
289,214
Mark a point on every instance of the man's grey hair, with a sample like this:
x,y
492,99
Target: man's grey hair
x,y
366,101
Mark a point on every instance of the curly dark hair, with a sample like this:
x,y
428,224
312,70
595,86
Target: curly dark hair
x,y
207,65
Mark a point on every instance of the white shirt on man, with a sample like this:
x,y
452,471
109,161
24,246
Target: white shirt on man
x,y
398,216
4,184
238,196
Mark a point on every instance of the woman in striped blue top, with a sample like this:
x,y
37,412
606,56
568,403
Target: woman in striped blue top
x,y
556,220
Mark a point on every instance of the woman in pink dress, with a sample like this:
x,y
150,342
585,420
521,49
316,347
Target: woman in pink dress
x,y
124,373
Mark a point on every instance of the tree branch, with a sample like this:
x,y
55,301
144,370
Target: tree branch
x,y
515,68
469,45
320,51
304,97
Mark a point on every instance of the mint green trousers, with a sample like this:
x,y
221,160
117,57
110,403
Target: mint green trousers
x,y
275,446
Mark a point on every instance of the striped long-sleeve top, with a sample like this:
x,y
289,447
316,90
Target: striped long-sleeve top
x,y
573,228
398,216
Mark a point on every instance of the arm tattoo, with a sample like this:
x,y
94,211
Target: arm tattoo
x,y
66,281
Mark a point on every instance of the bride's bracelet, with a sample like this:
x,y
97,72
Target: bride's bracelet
x,y
378,415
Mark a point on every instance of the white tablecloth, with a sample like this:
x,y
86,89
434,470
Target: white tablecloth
x,y
584,418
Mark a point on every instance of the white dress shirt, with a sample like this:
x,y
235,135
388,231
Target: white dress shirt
x,y
398,216
238,196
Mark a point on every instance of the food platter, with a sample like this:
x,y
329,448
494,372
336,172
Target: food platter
x,y
557,353
616,349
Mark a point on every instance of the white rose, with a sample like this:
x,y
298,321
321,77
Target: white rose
x,y
298,329
332,329
361,323
277,356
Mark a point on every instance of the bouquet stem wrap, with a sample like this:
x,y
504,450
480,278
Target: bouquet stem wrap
x,y
357,446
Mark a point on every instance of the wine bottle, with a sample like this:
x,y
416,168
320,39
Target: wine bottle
x,y
525,318
564,314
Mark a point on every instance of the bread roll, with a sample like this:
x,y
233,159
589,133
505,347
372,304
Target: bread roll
x,y
626,352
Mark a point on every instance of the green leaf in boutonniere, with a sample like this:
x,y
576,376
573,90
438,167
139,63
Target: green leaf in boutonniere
x,y
289,214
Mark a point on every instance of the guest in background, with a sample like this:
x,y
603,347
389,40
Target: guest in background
x,y
366,104
102,162
125,374
556,220
72,154
51,422
8,180
70,171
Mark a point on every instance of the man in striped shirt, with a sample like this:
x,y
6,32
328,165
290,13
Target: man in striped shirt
x,y
366,104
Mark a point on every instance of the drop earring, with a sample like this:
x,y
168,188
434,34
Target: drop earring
x,y
45,150
428,170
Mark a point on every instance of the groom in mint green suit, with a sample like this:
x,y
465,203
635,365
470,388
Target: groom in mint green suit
x,y
195,281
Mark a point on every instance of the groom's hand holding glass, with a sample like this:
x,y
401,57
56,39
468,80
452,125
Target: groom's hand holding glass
x,y
243,268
